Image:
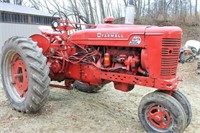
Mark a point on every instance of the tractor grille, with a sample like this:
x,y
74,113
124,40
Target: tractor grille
x,y
170,51
170,55
171,42
168,71
169,61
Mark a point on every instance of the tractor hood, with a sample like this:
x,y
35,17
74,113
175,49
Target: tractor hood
x,y
118,35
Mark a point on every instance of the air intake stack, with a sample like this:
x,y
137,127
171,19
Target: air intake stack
x,y
130,13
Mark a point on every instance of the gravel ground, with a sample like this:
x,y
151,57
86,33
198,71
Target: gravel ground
x,y
109,111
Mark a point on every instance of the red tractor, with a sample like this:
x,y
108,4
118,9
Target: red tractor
x,y
126,55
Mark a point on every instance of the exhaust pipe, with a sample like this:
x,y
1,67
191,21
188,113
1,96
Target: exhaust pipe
x,y
130,13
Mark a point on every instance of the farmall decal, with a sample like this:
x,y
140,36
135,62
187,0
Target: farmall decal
x,y
136,40
109,35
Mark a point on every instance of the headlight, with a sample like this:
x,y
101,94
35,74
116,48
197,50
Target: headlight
x,y
55,24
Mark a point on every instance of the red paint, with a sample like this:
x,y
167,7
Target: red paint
x,y
124,54
123,86
19,75
108,20
159,117
42,42
55,66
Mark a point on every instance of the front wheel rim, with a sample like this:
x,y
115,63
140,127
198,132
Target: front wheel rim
x,y
159,118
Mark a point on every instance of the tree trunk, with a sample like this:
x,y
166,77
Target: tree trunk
x,y
149,6
190,7
196,12
140,7
102,9
165,10
143,8
91,12
7,1
176,8
125,3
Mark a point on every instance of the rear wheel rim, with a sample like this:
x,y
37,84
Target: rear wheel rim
x,y
15,76
19,75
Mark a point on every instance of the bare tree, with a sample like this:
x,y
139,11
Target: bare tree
x,y
94,11
97,18
6,1
47,7
91,12
109,7
143,8
85,10
125,3
196,11
36,4
102,9
18,2
149,6
190,1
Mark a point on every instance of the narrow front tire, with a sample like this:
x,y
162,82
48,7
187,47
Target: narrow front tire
x,y
161,113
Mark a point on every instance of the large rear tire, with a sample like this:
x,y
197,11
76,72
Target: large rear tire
x,y
25,74
161,113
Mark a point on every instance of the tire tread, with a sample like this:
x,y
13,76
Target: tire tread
x,y
38,74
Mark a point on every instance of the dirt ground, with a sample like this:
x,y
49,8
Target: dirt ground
x,y
109,111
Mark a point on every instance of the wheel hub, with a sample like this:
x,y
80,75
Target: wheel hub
x,y
159,117
19,75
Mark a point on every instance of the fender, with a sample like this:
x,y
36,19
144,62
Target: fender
x,y
42,42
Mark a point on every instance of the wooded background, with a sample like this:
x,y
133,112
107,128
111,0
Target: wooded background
x,y
147,11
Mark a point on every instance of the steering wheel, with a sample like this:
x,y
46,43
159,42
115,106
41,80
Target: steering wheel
x,y
62,16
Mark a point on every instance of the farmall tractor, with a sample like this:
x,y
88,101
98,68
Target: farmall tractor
x,y
126,55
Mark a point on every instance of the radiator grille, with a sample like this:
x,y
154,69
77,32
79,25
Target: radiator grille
x,y
169,61
170,51
171,42
168,71
170,55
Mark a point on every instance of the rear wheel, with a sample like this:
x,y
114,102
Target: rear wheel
x,y
24,74
86,88
161,113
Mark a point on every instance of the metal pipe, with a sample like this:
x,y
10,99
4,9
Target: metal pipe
x,y
130,13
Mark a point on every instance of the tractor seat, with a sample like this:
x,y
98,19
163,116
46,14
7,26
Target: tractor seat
x,y
49,31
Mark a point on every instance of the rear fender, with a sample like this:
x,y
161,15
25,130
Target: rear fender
x,y
42,42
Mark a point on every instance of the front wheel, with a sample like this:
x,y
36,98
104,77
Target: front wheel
x,y
161,113
24,74
182,99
